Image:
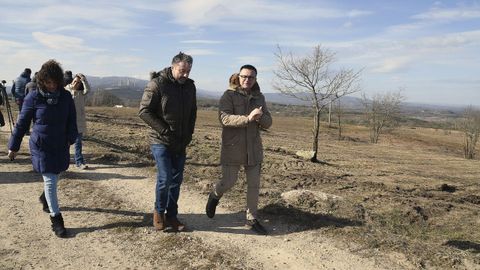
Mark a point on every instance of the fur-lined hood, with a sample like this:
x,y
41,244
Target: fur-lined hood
x,y
234,85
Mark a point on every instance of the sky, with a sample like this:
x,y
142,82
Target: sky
x,y
430,49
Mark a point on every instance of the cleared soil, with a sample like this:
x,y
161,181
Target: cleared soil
x,y
409,202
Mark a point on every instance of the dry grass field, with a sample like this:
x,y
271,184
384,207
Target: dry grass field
x,y
412,195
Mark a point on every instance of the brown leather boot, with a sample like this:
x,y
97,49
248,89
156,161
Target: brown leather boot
x,y
159,222
176,225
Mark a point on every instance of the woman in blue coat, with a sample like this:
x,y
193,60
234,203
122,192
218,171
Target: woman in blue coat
x,y
54,129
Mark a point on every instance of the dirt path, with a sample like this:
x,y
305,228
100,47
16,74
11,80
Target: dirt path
x,y
107,211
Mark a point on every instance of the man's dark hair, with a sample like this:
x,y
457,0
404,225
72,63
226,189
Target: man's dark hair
x,y
250,67
67,77
28,71
50,70
182,57
34,79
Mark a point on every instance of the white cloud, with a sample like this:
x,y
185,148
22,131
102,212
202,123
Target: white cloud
x,y
436,16
394,64
202,41
8,45
408,27
117,60
453,40
15,61
119,65
408,57
196,14
357,13
199,52
62,42
242,60
453,14
95,18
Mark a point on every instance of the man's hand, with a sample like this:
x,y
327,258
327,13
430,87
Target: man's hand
x,y
255,114
11,154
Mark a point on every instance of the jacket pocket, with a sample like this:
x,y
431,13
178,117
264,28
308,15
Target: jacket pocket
x,y
230,140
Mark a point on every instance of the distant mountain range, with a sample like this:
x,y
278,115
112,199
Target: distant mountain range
x,y
129,88
132,88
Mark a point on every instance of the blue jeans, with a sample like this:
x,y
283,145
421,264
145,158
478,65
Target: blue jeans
x,y
169,178
78,150
50,185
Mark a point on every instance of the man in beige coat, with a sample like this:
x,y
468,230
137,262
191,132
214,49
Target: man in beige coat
x,y
79,89
242,112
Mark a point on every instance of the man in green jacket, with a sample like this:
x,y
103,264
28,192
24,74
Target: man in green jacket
x,y
242,112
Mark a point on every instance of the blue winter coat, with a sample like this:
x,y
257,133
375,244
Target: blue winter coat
x,y
18,89
54,130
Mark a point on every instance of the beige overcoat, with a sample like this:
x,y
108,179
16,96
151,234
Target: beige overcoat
x,y
80,98
241,141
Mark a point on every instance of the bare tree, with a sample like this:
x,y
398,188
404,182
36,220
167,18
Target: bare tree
x,y
311,78
471,127
381,112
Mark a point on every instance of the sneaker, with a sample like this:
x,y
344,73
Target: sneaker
x,y
176,225
255,226
82,167
211,205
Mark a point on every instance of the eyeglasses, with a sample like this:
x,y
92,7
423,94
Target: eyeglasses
x,y
247,77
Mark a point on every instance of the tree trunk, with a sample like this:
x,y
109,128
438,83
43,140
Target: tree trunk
x,y
339,119
330,115
339,127
316,132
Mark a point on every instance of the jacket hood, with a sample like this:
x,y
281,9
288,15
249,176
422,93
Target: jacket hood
x,y
234,85
25,75
164,74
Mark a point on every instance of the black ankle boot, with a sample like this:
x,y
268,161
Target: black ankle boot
x,y
44,203
57,226
211,205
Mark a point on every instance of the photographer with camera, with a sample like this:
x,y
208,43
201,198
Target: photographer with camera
x,y
4,101
2,90
79,89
